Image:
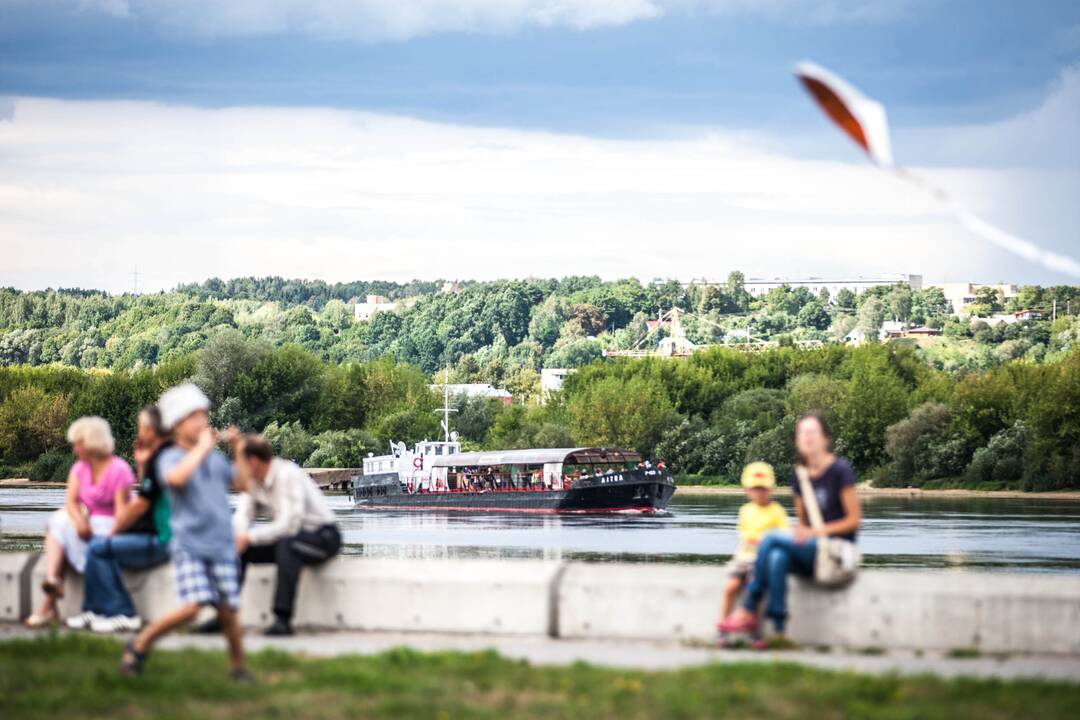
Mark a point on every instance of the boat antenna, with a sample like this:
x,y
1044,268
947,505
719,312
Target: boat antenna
x,y
446,409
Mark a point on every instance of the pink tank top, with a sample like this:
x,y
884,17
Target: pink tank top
x,y
100,498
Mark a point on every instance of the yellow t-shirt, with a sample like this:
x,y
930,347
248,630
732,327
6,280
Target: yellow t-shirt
x,y
756,520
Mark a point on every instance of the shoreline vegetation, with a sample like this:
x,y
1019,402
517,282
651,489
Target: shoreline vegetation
x,y
404,683
328,385
869,491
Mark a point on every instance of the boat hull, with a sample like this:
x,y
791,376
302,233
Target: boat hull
x,y
639,493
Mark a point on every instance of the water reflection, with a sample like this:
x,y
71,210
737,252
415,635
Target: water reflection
x,y
995,534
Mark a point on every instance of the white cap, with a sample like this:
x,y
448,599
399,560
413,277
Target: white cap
x,y
178,402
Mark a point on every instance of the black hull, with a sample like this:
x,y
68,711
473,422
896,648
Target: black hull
x,y
644,495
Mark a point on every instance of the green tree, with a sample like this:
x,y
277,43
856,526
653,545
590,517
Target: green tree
x,y
871,316
816,392
615,413
990,298
225,356
341,400
846,300
32,422
900,303
875,398
814,315
284,386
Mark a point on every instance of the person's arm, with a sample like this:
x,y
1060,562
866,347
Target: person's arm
x,y
244,515
71,504
852,514
288,507
127,514
122,494
802,531
178,475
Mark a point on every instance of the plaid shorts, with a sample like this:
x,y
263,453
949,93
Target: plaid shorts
x,y
206,582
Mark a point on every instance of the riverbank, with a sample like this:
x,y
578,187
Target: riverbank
x,y
866,490
405,683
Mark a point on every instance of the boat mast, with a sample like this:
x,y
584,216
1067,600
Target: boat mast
x,y
446,409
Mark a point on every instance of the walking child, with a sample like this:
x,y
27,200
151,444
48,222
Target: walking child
x,y
197,477
757,517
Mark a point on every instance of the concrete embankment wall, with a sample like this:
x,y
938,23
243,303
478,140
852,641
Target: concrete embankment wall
x,y
925,610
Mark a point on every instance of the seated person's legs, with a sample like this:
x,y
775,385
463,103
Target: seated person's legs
x,y
304,548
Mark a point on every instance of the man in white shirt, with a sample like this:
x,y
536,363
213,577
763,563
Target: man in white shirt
x,y
302,530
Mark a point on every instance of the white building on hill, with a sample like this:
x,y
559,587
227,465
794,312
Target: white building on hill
x,y
551,380
761,286
473,390
960,295
374,304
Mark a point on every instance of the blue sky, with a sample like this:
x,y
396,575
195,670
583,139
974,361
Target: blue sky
x,y
625,71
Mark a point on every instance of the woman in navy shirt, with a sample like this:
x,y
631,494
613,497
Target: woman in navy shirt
x,y
781,554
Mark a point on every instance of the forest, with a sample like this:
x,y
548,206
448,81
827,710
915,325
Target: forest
x,y
982,407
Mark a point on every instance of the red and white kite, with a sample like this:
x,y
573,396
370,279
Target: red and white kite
x,y
863,120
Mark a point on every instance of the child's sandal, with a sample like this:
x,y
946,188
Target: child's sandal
x,y
131,663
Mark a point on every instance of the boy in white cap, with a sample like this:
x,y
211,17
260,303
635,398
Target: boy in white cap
x,y
197,477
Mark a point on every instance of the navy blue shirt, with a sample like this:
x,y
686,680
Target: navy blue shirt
x,y
827,489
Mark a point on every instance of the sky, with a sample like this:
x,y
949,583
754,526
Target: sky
x,y
481,139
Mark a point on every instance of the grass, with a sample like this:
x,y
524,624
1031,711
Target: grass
x,y
74,676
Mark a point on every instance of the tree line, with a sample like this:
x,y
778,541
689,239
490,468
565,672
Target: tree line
x,y
502,332
899,419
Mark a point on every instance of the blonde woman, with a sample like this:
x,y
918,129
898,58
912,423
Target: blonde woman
x,y
97,484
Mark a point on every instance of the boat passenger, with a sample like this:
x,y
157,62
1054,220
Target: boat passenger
x,y
781,554
96,484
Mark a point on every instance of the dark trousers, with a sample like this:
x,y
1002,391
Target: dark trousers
x,y
290,555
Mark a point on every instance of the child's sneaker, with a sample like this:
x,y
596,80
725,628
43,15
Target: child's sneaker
x,y
739,624
115,624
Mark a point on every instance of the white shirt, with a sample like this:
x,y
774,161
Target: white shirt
x,y
293,499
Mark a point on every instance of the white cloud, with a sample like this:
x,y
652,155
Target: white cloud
x,y
379,20
89,190
1044,136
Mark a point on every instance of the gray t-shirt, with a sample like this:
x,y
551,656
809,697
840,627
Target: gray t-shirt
x,y
200,517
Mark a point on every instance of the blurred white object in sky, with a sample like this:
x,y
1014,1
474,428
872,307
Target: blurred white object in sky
x,y
864,121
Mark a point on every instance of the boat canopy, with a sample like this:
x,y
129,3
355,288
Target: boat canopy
x,y
540,456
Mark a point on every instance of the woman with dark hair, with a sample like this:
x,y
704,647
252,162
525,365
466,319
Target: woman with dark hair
x,y
833,484
139,538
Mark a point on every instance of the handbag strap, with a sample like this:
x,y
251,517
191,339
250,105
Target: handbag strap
x,y
809,499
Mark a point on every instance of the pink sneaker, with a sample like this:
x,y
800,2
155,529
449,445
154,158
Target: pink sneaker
x,y
735,624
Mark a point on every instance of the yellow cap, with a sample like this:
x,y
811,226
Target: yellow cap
x,y
758,475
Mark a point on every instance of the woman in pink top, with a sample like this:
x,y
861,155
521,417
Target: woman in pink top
x,y
98,484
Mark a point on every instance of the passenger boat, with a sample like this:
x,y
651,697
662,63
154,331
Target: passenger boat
x,y
438,476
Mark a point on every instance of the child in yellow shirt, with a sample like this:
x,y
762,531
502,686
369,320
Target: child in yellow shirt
x,y
760,515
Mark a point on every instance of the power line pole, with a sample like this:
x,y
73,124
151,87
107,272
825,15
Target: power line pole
x,y
135,281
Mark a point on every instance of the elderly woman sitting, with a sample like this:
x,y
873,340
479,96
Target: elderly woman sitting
x,y
96,484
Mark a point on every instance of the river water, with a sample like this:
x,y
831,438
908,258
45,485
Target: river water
x,y
1007,534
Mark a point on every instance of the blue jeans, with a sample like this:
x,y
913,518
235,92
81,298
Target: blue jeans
x,y
105,591
778,556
